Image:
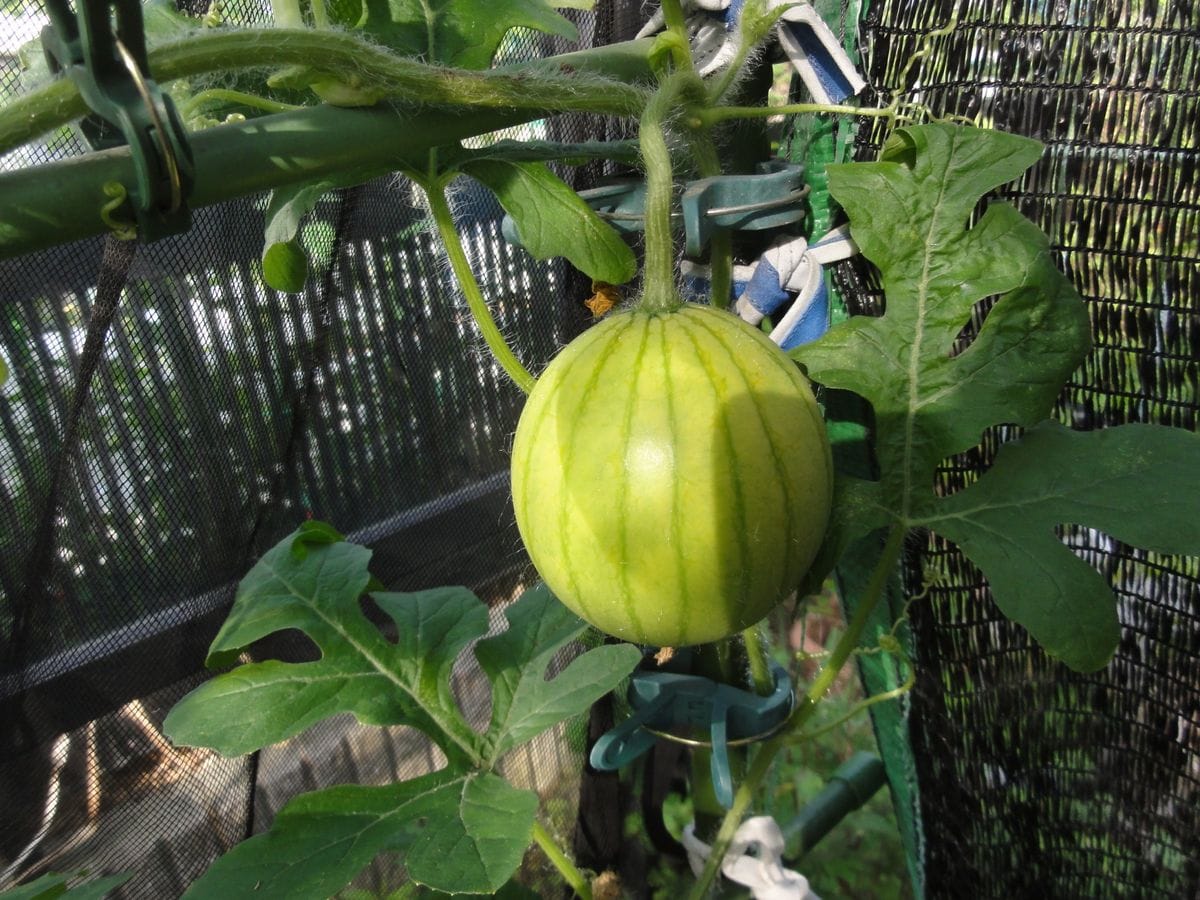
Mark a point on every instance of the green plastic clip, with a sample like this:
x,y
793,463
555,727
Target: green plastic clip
x,y
109,67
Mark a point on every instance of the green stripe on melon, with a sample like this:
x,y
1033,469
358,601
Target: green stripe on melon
x,y
671,476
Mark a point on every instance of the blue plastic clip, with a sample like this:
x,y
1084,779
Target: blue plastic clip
x,y
697,711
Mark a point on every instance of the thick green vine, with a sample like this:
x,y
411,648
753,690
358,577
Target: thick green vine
x,y
338,54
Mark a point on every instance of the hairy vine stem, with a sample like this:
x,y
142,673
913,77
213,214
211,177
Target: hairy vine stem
x,y
716,114
756,659
720,256
659,293
336,54
191,107
562,862
444,219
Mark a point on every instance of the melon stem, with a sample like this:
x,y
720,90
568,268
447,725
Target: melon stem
x,y
561,861
756,659
659,292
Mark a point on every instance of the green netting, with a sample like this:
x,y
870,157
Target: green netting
x,y
1035,781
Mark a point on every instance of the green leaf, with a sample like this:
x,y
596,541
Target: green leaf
x,y
460,834
909,215
285,264
856,511
317,591
49,886
1137,483
552,220
163,22
54,884
524,703
461,33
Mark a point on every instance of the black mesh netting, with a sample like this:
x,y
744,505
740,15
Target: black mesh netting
x,y
1034,781
168,418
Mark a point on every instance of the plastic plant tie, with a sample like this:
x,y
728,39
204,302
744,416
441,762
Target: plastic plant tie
x,y
761,871
816,54
790,266
772,197
697,711
811,46
109,67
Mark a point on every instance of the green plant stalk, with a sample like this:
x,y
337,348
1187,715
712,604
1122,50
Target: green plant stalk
x,y
562,862
659,293
720,262
467,282
808,705
320,16
720,245
756,658
673,17
62,201
714,661
707,811
189,107
716,114
551,85
676,24
909,683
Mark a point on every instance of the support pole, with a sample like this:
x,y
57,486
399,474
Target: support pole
x,y
63,201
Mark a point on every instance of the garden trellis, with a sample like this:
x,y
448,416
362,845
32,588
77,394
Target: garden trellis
x,y
168,417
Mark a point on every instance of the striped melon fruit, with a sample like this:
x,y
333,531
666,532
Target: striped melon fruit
x,y
671,476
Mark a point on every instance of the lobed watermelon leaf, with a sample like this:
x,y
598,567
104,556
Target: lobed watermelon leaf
x,y
313,581
317,591
910,214
55,884
1137,483
524,702
459,834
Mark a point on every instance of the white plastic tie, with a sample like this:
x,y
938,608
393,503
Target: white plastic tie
x,y
816,54
782,268
762,870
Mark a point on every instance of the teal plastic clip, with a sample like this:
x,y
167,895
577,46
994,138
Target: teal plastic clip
x,y
772,198
110,70
696,711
